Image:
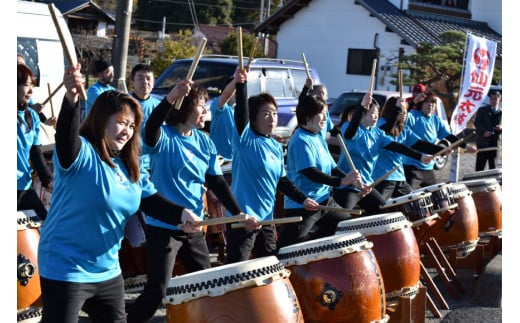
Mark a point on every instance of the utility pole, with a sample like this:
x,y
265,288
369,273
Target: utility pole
x,y
120,45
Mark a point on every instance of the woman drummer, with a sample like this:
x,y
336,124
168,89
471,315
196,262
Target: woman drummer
x,y
392,122
364,142
99,185
258,171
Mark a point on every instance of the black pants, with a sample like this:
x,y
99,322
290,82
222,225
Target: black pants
x,y
370,203
484,157
418,178
29,200
390,189
240,244
103,302
162,247
315,224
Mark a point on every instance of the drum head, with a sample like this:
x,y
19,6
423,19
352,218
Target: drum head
x,y
323,248
219,280
374,224
433,188
482,185
406,199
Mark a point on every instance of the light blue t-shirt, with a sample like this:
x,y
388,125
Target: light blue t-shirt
x,y
180,164
258,165
428,128
26,138
364,148
90,205
305,150
389,159
148,105
93,92
223,130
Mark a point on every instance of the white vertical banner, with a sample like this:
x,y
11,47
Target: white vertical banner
x,y
476,80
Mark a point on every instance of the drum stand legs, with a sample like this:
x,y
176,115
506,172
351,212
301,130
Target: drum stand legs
x,y
436,257
410,309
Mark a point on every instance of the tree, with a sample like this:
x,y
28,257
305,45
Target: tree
x,y
439,67
229,46
180,47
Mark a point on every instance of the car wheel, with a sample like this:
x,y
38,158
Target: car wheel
x,y
440,162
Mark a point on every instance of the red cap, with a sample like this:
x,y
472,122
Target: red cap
x,y
419,88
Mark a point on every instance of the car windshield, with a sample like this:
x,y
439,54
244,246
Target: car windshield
x,y
352,98
214,77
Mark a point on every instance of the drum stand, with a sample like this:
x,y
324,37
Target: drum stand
x,y
410,309
431,249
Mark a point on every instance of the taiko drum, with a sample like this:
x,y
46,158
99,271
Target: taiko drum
x,y
29,295
395,248
252,291
487,195
460,230
337,279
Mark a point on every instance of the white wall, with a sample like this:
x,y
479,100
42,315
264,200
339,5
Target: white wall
x,y
488,11
326,44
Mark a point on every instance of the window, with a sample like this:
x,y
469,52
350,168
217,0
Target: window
x,y
359,61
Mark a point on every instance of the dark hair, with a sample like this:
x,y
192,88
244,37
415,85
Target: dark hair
x,y
100,65
346,115
95,125
256,102
141,67
24,74
308,107
430,97
198,92
390,112
496,93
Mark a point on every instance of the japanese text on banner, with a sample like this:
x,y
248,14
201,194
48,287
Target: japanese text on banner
x,y
478,73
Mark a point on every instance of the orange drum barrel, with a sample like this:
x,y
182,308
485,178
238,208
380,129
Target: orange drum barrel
x,y
252,291
396,250
460,231
29,294
487,195
337,279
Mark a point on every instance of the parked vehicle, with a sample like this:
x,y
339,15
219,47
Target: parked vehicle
x,y
352,98
281,78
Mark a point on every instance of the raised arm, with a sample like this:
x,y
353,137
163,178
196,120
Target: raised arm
x,y
68,143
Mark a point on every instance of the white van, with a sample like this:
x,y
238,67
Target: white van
x,y
39,43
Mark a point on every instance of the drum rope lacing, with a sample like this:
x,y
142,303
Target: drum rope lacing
x,y
366,225
226,280
29,313
323,248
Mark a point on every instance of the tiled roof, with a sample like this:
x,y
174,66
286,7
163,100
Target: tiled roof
x,y
68,7
413,26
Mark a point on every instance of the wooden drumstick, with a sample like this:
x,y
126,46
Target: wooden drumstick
x,y
487,149
339,209
273,221
192,69
67,43
240,52
252,54
454,145
223,220
382,178
52,94
373,75
306,66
